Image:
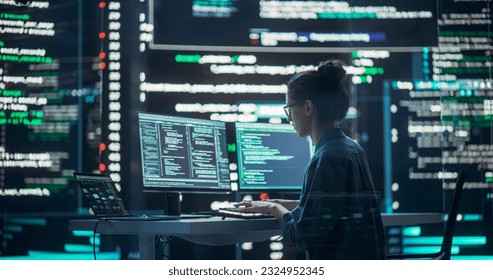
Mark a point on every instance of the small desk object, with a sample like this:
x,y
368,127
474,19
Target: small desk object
x,y
216,231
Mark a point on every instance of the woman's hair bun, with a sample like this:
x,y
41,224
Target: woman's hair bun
x,y
332,71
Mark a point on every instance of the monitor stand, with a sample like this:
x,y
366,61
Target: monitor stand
x,y
172,207
172,204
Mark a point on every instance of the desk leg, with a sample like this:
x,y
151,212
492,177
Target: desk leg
x,y
146,246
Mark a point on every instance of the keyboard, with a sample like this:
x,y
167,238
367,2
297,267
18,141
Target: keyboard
x,y
233,212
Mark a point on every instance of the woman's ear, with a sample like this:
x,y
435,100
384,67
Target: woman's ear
x,y
309,107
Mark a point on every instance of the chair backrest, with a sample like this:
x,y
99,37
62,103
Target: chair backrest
x,y
452,217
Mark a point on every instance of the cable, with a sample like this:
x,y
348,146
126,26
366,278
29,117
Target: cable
x,y
94,237
168,241
114,219
165,243
157,241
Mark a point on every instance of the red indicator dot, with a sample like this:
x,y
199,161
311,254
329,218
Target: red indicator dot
x,y
102,167
102,146
102,5
102,55
254,42
102,35
102,65
264,196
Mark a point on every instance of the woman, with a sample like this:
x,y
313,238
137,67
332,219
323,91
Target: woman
x,y
337,215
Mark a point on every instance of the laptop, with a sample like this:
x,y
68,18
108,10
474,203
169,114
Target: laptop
x,y
104,199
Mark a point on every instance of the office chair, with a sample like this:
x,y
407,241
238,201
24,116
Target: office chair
x,y
446,248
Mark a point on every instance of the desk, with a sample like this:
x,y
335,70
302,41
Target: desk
x,y
215,231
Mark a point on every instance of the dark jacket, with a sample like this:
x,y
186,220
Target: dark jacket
x,y
338,215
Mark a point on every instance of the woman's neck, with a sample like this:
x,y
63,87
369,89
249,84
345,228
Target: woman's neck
x,y
318,130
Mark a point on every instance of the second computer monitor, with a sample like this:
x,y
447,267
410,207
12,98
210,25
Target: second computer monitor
x,y
271,157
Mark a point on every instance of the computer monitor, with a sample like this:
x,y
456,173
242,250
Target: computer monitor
x,y
183,154
271,157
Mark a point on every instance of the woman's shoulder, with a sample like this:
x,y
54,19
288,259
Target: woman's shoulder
x,y
332,156
340,146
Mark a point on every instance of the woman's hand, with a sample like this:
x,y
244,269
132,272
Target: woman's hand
x,y
263,206
286,203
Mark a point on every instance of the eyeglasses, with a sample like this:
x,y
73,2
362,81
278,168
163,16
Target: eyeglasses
x,y
287,108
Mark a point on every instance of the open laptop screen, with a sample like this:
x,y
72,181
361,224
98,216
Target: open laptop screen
x,y
101,194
